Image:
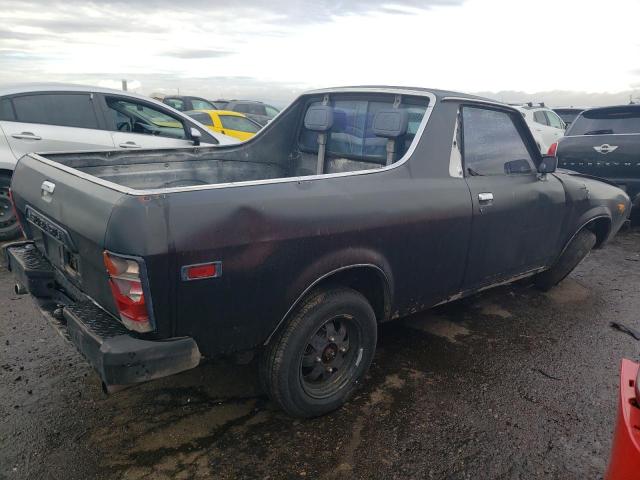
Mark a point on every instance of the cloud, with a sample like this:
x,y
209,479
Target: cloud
x,y
273,50
306,11
197,53
564,98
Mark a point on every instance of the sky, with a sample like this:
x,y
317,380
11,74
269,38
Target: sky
x,y
562,52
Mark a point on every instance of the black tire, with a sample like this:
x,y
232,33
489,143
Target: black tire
x,y
9,227
332,334
575,252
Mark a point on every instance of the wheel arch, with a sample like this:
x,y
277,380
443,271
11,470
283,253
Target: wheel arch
x,y
599,223
366,278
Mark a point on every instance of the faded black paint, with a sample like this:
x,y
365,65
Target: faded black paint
x,y
415,223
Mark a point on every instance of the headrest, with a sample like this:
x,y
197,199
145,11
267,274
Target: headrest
x,y
319,118
390,123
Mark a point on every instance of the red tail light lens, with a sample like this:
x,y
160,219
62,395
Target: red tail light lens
x,y
15,212
552,149
126,287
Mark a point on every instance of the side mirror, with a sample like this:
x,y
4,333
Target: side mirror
x,y
195,136
549,164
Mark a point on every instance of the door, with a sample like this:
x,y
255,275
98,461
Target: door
x,y
556,124
138,124
52,122
516,215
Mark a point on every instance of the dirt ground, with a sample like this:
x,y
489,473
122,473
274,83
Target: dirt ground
x,y
512,383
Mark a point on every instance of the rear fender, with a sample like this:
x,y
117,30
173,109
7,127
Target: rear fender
x,y
333,266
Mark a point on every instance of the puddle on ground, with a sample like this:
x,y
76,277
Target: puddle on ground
x,y
568,291
495,310
437,325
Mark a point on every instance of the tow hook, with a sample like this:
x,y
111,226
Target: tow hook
x,y
20,289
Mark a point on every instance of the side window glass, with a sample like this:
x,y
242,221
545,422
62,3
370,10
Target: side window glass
x,y
540,117
554,120
134,117
175,103
271,111
6,110
203,118
258,109
492,145
238,107
198,104
241,124
62,109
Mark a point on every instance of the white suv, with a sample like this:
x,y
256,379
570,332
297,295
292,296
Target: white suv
x,y
545,125
58,117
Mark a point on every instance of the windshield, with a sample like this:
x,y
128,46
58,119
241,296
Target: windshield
x,y
607,121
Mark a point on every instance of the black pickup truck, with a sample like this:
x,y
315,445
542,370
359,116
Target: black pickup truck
x,y
605,142
353,207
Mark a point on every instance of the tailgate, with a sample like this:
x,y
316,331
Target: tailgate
x,y
615,157
66,215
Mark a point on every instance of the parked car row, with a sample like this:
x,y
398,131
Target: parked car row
x,y
354,207
545,124
605,143
54,118
257,111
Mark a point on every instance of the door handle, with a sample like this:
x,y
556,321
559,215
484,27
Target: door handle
x,y
485,198
26,136
129,145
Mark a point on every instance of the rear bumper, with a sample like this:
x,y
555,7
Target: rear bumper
x,y
625,453
119,356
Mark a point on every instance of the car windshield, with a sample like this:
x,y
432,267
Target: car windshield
x,y
607,121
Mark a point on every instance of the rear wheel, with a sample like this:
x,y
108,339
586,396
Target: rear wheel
x,y
9,227
575,252
317,360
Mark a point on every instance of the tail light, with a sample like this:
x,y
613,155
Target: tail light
x,y
128,292
552,149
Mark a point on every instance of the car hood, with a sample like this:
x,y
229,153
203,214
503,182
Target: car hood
x,y
584,175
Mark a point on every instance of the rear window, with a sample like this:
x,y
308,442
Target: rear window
x,y
607,121
66,110
352,136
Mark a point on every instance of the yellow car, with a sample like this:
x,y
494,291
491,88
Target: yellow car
x,y
226,122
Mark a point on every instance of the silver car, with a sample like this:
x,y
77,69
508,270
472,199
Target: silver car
x,y
63,117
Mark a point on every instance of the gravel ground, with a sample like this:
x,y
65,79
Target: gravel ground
x,y
512,383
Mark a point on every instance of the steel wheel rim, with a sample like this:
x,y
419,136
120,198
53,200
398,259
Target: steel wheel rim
x,y
330,357
7,216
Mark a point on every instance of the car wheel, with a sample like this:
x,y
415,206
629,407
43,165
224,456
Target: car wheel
x,y
320,356
9,227
578,248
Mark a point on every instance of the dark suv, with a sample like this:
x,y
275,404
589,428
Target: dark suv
x,y
186,103
568,114
258,111
605,142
